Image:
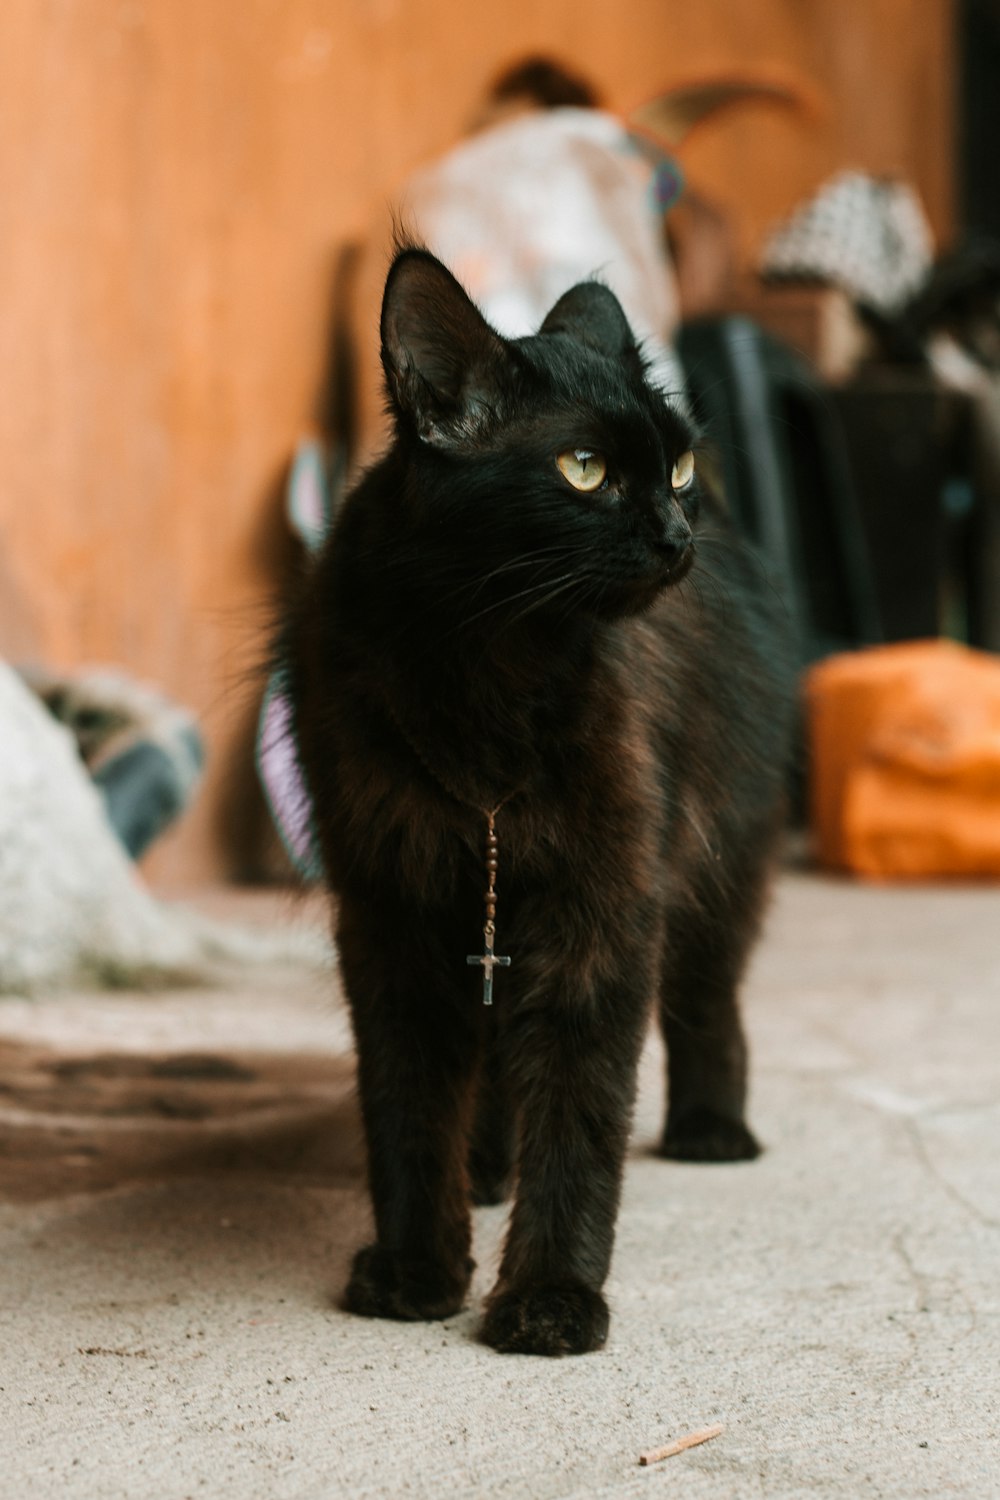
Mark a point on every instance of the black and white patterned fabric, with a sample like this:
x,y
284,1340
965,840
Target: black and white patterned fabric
x,y
868,236
144,753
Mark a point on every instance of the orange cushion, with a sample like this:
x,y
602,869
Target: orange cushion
x,y
905,750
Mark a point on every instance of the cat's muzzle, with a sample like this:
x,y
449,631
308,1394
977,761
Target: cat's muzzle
x,y
679,567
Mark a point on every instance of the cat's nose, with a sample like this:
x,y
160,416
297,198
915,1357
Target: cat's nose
x,y
673,542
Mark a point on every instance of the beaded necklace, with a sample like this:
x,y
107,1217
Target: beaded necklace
x,y
488,960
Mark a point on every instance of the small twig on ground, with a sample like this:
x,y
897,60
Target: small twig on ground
x,y
690,1440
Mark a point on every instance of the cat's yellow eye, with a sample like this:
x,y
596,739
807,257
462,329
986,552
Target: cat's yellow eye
x,y
683,471
585,470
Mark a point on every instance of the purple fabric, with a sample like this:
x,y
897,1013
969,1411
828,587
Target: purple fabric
x,y
284,785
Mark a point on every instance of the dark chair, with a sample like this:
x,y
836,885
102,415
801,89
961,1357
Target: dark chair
x,y
787,477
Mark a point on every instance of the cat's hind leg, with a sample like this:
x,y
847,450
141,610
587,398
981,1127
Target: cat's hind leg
x,y
493,1144
707,946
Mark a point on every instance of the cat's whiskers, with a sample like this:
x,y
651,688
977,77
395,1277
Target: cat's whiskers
x,y
701,575
401,561
512,565
564,579
574,580
726,543
571,581
587,583
688,586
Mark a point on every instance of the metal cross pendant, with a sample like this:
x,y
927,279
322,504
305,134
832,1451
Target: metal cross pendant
x,y
489,961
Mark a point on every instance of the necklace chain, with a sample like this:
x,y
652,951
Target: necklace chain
x,y
488,960
436,776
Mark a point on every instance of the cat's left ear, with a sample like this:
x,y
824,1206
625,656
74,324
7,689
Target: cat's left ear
x,y
444,365
591,313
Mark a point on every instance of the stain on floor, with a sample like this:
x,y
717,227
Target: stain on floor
x,y
84,1123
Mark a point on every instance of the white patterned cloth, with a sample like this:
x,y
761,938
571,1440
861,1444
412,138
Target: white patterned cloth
x,y
868,236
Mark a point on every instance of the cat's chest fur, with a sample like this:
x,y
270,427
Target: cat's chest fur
x,y
411,778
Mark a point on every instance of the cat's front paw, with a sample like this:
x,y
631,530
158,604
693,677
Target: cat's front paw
x,y
560,1318
703,1135
385,1284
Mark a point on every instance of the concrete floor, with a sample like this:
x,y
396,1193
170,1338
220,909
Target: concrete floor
x,y
180,1195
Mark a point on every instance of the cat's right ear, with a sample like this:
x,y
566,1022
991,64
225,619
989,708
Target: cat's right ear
x,y
444,365
591,313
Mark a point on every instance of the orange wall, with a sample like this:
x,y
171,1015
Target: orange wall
x,y
177,175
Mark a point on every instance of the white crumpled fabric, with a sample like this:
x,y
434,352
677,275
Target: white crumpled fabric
x,y
72,906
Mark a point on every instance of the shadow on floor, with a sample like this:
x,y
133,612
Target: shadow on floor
x,y
90,1123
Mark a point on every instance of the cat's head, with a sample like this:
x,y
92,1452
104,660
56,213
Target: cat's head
x,y
545,470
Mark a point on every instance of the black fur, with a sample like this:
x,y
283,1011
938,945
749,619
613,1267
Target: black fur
x,y
477,629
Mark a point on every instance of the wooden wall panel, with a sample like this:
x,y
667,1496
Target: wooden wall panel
x,y
175,178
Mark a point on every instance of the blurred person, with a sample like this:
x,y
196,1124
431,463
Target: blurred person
x,y
548,189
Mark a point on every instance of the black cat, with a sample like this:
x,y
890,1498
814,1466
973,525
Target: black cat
x,y
499,627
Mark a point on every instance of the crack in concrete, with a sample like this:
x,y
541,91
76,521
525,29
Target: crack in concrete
x,y
925,1302
912,1126
920,1282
